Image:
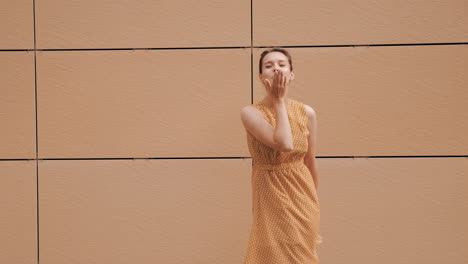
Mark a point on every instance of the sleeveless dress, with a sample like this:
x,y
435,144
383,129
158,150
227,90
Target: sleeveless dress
x,y
285,206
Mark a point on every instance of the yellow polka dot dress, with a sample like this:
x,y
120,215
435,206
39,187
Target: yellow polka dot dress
x,y
285,206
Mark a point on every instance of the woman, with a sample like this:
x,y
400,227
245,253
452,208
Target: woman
x,y
281,136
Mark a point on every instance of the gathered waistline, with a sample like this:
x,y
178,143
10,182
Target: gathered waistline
x,y
279,166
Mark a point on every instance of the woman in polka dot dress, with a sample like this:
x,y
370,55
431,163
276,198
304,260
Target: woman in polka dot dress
x,y
281,136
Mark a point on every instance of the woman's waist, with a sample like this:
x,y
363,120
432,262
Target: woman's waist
x,y
277,166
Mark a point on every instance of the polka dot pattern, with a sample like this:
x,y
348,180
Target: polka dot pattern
x,y
285,205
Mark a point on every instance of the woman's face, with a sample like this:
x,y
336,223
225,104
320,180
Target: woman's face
x,y
275,61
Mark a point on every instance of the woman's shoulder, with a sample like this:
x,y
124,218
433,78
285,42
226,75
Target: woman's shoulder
x,y
310,111
250,110
250,107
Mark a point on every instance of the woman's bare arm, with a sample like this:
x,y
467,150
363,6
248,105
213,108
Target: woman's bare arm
x,y
310,160
280,137
283,131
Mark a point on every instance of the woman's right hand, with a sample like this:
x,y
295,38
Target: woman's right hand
x,y
278,86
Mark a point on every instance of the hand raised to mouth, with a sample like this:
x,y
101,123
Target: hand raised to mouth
x,y
278,86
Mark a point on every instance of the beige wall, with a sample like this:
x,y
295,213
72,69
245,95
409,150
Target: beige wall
x,y
121,140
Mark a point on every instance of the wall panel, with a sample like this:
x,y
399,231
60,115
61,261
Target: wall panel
x,y
358,22
142,24
17,105
144,211
18,212
17,25
161,103
402,100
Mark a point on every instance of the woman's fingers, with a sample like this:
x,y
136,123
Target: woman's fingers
x,y
267,84
283,82
275,79
274,84
277,85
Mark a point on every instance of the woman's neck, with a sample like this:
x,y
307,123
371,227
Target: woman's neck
x,y
268,100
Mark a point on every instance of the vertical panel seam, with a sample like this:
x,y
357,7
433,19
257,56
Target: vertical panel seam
x,y
37,140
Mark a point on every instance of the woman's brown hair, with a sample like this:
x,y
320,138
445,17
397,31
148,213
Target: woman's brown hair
x,y
264,53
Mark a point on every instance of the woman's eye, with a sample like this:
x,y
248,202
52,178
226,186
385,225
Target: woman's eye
x,y
282,65
267,67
